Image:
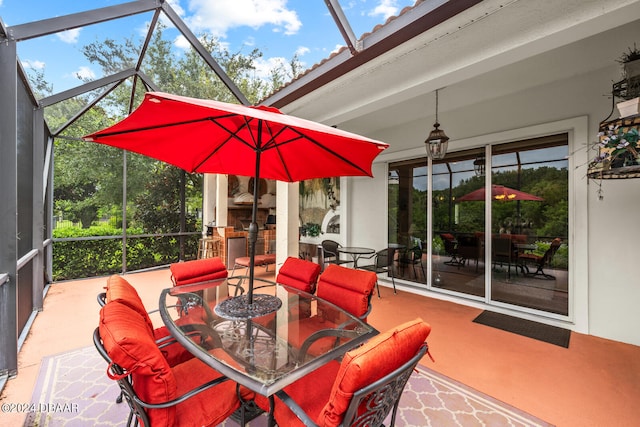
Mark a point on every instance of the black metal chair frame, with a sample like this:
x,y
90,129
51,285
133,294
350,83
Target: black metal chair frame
x,y
382,397
330,251
507,255
408,257
382,263
544,260
451,249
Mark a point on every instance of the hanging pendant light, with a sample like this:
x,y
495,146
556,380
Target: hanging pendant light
x,y
478,166
437,141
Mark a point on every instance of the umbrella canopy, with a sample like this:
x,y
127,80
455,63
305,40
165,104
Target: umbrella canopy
x,y
208,136
498,192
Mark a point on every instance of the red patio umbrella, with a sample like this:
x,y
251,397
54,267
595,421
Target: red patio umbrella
x,y
498,192
208,136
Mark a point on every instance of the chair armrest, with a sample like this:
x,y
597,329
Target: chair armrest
x,y
337,333
295,408
182,398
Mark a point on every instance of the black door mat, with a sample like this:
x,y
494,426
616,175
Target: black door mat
x,y
539,331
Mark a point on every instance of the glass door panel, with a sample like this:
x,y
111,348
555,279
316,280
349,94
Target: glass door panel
x,y
529,226
457,246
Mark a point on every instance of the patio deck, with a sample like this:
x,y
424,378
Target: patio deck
x,y
594,382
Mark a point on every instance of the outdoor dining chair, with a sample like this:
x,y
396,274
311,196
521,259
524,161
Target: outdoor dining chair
x,y
330,253
362,390
542,261
348,288
345,287
451,248
411,257
299,273
120,290
188,394
199,270
382,263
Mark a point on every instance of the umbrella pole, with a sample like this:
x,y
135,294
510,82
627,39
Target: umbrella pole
x,y
253,228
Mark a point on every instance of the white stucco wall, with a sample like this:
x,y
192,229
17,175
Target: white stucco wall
x,y
605,286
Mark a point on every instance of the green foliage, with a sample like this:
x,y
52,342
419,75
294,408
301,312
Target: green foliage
x,y
88,258
311,229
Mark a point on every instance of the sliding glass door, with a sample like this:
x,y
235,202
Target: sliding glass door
x,y
514,251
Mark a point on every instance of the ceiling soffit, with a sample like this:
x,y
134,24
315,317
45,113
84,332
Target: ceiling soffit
x,y
490,37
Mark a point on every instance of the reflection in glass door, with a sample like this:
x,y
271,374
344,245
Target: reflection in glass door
x,y
458,227
525,254
529,226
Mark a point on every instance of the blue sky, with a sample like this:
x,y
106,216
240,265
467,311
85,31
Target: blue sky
x,y
279,28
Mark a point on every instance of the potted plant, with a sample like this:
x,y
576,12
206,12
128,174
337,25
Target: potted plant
x,y
618,146
630,61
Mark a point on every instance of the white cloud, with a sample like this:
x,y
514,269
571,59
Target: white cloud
x,y
181,42
386,8
222,15
302,50
84,73
263,66
34,65
69,36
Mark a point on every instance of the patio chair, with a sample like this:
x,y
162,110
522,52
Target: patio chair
x,y
259,260
299,273
330,253
451,249
542,261
382,263
362,390
348,288
199,270
120,290
469,248
411,257
345,287
504,252
187,394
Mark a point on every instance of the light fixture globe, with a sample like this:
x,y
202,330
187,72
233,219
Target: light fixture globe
x,y
478,166
436,143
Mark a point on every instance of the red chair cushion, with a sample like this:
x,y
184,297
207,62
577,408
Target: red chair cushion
x,y
130,344
299,274
370,362
198,270
347,288
119,289
311,393
212,406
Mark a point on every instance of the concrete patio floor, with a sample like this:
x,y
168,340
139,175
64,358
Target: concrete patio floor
x,y
594,382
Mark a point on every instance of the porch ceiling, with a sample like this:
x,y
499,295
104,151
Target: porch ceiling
x,y
490,50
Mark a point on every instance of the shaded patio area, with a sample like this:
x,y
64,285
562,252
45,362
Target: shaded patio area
x,y
594,382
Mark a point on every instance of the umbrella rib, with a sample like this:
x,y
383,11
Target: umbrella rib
x,y
164,125
319,145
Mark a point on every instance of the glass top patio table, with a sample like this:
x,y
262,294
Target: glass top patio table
x,y
266,353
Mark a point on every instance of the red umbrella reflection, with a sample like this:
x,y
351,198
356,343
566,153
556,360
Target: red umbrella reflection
x,y
498,192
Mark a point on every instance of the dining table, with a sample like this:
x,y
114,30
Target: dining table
x,y
267,353
356,252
